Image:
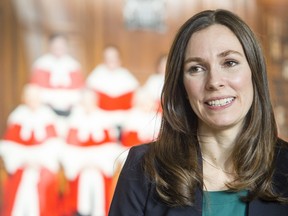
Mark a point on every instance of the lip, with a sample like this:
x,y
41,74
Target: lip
x,y
217,107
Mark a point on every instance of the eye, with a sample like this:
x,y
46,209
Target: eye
x,y
230,63
195,69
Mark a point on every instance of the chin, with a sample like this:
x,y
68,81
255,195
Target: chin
x,y
224,125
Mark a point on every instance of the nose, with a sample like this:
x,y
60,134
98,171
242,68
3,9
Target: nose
x,y
215,80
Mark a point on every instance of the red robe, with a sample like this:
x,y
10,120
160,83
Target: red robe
x,y
114,91
30,149
140,127
88,162
60,79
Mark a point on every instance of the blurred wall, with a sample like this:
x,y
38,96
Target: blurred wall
x,y
13,62
272,22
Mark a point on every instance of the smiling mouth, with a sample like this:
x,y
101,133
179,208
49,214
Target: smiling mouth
x,y
220,102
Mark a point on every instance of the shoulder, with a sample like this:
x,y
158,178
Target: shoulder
x,y
140,150
135,158
133,186
282,151
70,61
96,71
133,168
281,168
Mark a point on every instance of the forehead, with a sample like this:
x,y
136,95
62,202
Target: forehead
x,y
111,51
215,38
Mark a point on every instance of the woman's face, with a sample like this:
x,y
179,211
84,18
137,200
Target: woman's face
x,y
217,78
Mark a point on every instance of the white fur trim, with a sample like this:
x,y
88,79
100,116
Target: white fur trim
x,y
61,99
102,157
116,118
87,124
59,68
11,155
113,83
45,155
154,86
91,193
27,196
32,121
147,125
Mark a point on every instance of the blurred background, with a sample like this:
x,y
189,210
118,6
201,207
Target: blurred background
x,y
92,24
141,31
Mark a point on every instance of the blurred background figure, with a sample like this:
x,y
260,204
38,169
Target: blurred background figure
x,y
142,124
154,84
30,150
59,76
89,158
114,86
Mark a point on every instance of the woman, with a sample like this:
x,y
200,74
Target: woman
x,y
218,151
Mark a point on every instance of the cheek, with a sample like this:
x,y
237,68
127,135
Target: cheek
x,y
243,82
193,93
192,89
244,86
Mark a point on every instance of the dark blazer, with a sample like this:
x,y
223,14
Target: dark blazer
x,y
135,194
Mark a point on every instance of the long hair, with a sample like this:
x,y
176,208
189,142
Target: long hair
x,y
174,160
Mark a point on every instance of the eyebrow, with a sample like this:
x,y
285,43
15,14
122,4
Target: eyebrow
x,y
222,54
228,52
193,59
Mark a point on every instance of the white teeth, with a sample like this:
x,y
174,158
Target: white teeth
x,y
220,102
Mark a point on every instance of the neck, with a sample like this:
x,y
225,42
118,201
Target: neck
x,y
217,163
217,147
221,139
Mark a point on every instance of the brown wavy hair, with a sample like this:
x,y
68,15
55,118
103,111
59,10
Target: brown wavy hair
x,y
174,161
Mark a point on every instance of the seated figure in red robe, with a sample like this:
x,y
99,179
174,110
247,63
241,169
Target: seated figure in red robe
x,y
30,150
59,76
89,158
114,86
